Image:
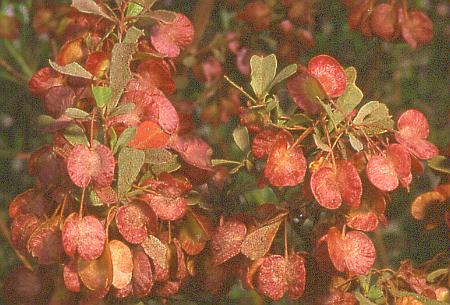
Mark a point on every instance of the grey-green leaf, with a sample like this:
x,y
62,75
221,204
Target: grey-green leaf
x,y
124,138
130,162
168,167
263,72
76,113
298,119
119,72
421,298
90,7
374,118
284,74
272,103
44,120
362,299
320,144
102,95
440,164
158,156
433,276
75,135
162,16
355,142
351,74
329,112
72,69
123,109
241,137
133,34
349,99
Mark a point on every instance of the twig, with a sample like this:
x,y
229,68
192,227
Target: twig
x,y
306,133
379,244
18,58
240,89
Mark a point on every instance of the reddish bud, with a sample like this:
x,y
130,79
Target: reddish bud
x,y
258,14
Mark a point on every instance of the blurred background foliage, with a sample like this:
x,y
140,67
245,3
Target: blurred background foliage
x,y
393,73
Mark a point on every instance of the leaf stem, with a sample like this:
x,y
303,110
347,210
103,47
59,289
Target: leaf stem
x,y
80,214
91,132
285,239
329,144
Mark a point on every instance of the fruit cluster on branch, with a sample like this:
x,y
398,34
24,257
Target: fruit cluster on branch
x,y
125,203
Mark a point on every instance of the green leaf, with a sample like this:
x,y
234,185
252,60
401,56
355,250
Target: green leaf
x,y
374,293
158,156
147,4
432,276
124,138
133,34
113,140
90,7
355,142
95,201
119,71
440,164
76,113
364,282
349,99
102,95
375,118
216,162
72,69
130,162
263,73
284,74
123,109
362,299
134,9
241,137
75,135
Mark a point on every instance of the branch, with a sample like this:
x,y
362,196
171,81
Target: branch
x,y
12,71
4,231
201,17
